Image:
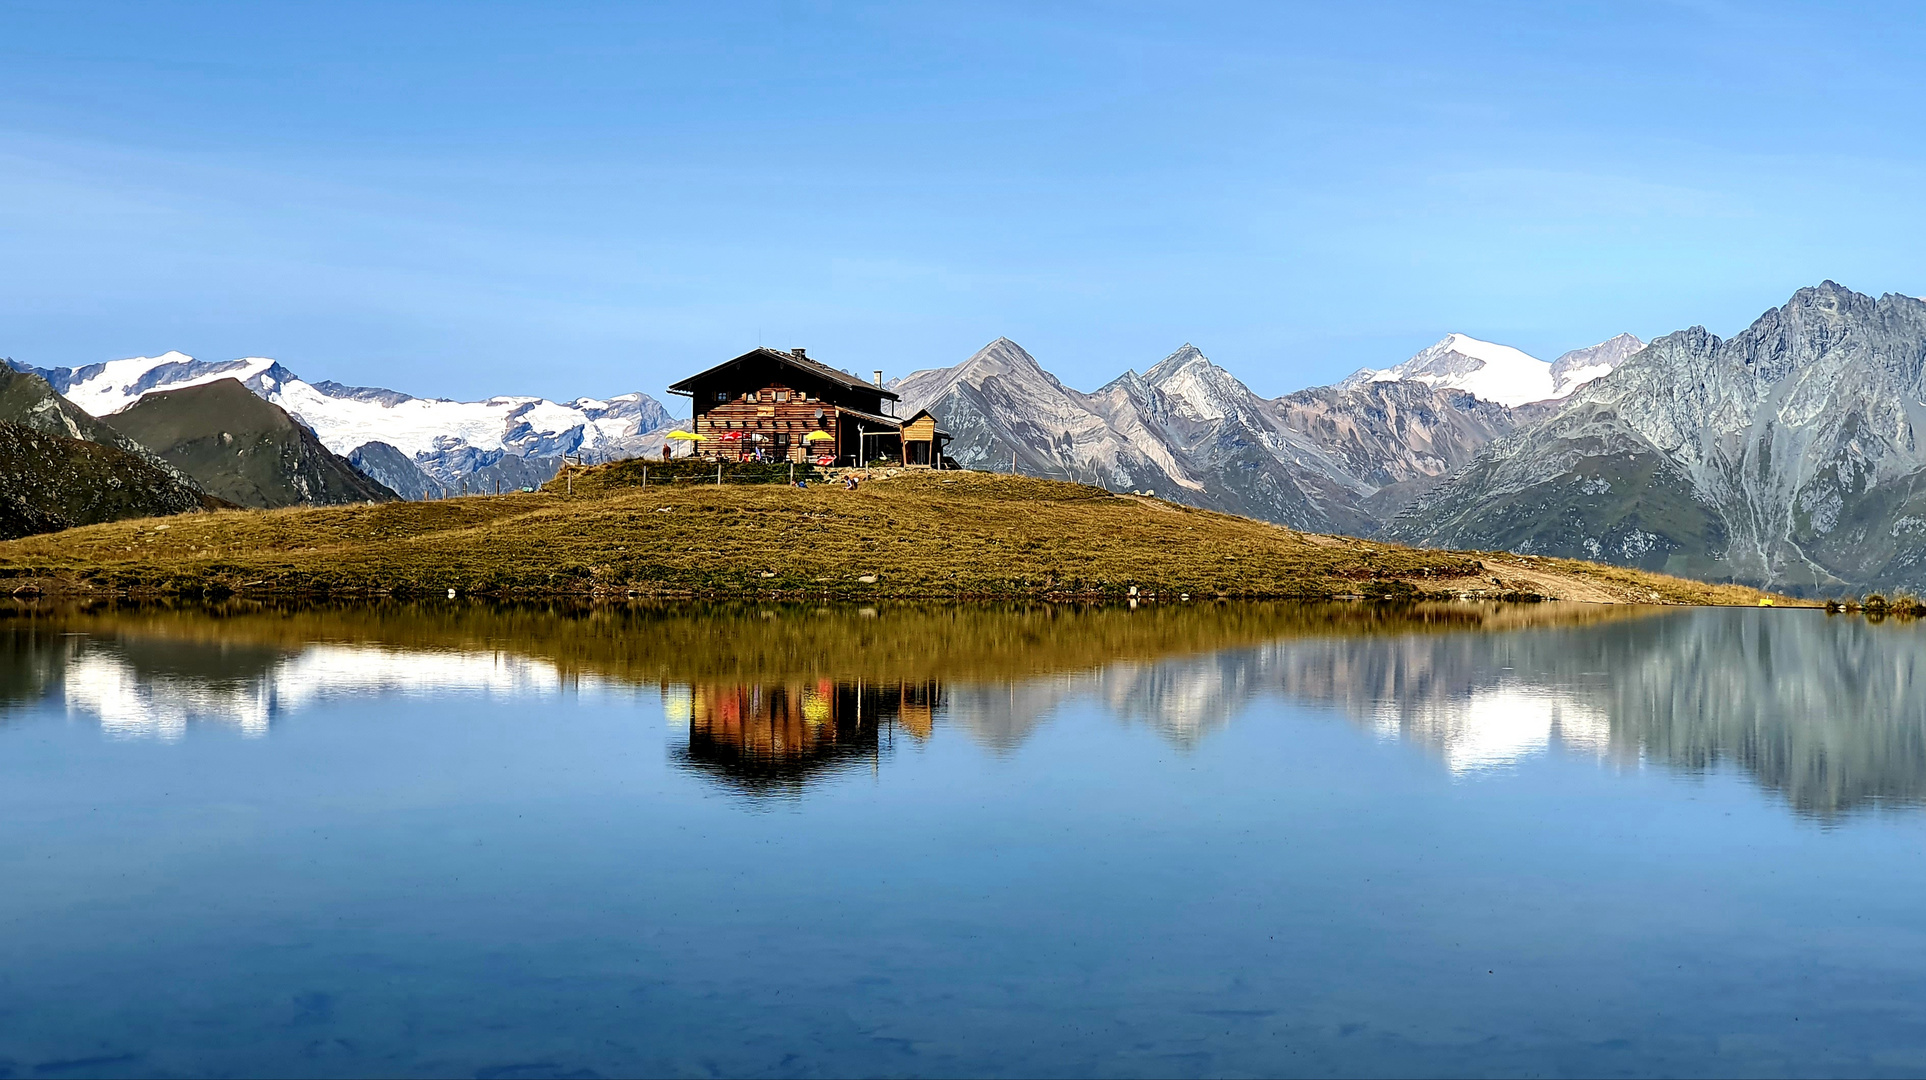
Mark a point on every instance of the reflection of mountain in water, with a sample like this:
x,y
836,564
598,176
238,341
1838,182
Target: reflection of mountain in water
x,y
1481,700
1183,699
1829,712
1000,715
1826,711
154,687
1187,699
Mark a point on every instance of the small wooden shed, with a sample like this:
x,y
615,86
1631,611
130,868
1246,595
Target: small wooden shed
x,y
923,441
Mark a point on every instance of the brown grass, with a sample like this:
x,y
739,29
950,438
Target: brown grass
x,y
929,535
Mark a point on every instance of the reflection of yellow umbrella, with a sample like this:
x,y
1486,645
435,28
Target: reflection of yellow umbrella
x,y
818,436
684,436
815,708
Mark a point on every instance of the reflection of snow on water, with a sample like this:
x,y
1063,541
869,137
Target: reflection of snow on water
x,y
128,703
1494,727
678,705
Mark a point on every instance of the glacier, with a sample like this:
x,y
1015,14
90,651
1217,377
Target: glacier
x,y
1499,373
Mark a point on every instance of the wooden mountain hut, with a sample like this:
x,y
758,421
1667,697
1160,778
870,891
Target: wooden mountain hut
x,y
784,406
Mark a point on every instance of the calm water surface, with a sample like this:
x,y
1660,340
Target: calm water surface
x,y
1217,841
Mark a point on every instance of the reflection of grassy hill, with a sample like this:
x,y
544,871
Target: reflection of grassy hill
x,y
950,535
243,449
645,644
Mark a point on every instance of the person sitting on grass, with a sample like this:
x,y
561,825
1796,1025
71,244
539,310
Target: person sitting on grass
x,y
849,482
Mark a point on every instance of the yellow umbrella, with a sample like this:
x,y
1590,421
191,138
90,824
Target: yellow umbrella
x,y
818,436
685,436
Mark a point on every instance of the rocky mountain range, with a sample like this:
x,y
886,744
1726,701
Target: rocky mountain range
x,y
418,447
1789,455
1342,458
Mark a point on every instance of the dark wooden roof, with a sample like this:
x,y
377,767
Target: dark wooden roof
x,y
800,363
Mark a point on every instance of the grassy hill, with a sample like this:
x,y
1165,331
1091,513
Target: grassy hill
x,y
934,535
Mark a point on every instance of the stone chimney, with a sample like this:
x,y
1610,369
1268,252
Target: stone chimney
x,y
879,376
801,353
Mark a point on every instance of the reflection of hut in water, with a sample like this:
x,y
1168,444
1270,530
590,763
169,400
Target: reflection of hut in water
x,y
918,708
775,738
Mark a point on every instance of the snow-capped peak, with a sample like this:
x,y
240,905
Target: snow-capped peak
x,y
444,437
1500,373
105,388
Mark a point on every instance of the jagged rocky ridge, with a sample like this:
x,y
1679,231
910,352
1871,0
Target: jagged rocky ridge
x,y
1788,456
1333,459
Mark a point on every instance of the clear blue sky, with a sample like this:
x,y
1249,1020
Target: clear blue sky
x,y
470,199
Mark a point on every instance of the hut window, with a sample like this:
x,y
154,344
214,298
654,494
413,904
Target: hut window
x,y
722,395
782,395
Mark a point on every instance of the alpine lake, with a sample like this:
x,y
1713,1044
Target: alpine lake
x,y
452,839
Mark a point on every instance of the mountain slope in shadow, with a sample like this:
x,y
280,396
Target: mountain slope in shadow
x,y
244,449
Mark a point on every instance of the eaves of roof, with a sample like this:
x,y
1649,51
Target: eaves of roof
x,y
886,421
